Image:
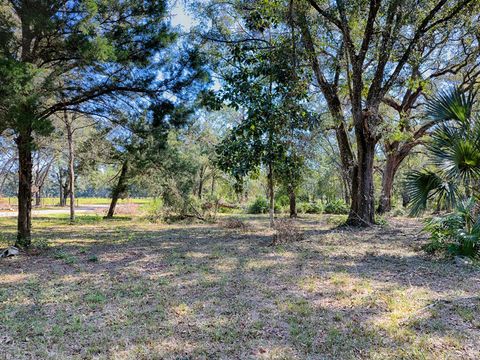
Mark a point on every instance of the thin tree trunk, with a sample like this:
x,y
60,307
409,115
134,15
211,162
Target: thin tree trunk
x,y
346,189
60,190
293,202
118,190
24,144
38,198
271,194
214,178
66,191
66,188
200,183
71,168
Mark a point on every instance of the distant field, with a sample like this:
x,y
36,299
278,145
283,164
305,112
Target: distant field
x,y
49,201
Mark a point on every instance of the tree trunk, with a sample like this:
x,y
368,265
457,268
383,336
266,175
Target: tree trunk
x,y
200,182
71,168
66,188
214,179
293,202
66,192
60,190
391,166
118,190
38,198
362,209
271,194
24,144
395,156
346,189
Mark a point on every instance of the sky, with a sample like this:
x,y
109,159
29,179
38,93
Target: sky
x,y
181,18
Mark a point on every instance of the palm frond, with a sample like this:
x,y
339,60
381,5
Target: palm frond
x,y
456,152
452,104
422,185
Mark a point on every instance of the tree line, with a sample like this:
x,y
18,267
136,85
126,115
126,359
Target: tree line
x,y
286,81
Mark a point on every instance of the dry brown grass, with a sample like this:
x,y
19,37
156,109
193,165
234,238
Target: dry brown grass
x,y
234,223
133,290
121,209
287,231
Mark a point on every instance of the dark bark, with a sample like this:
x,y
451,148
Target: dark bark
x,y
271,194
60,188
293,202
71,167
119,189
38,197
24,144
201,181
330,92
362,209
346,186
385,203
394,158
66,191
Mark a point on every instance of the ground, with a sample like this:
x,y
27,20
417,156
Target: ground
x,y
129,289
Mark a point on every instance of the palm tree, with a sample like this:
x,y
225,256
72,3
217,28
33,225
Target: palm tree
x,y
454,150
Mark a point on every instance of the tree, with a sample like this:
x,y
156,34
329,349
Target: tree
x,y
291,171
42,160
362,54
70,55
454,150
375,44
8,159
73,123
143,142
259,78
409,127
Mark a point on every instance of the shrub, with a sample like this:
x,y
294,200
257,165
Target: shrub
x,y
457,233
41,244
337,207
314,208
302,207
282,201
154,210
398,212
226,210
259,206
310,208
380,220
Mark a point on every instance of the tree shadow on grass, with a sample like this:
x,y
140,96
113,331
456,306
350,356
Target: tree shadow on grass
x,y
204,291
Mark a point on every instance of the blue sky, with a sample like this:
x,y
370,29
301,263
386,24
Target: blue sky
x,y
180,17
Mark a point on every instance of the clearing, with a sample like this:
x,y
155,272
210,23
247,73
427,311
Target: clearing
x,y
128,289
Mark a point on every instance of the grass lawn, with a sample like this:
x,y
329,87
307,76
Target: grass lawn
x,y
128,289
